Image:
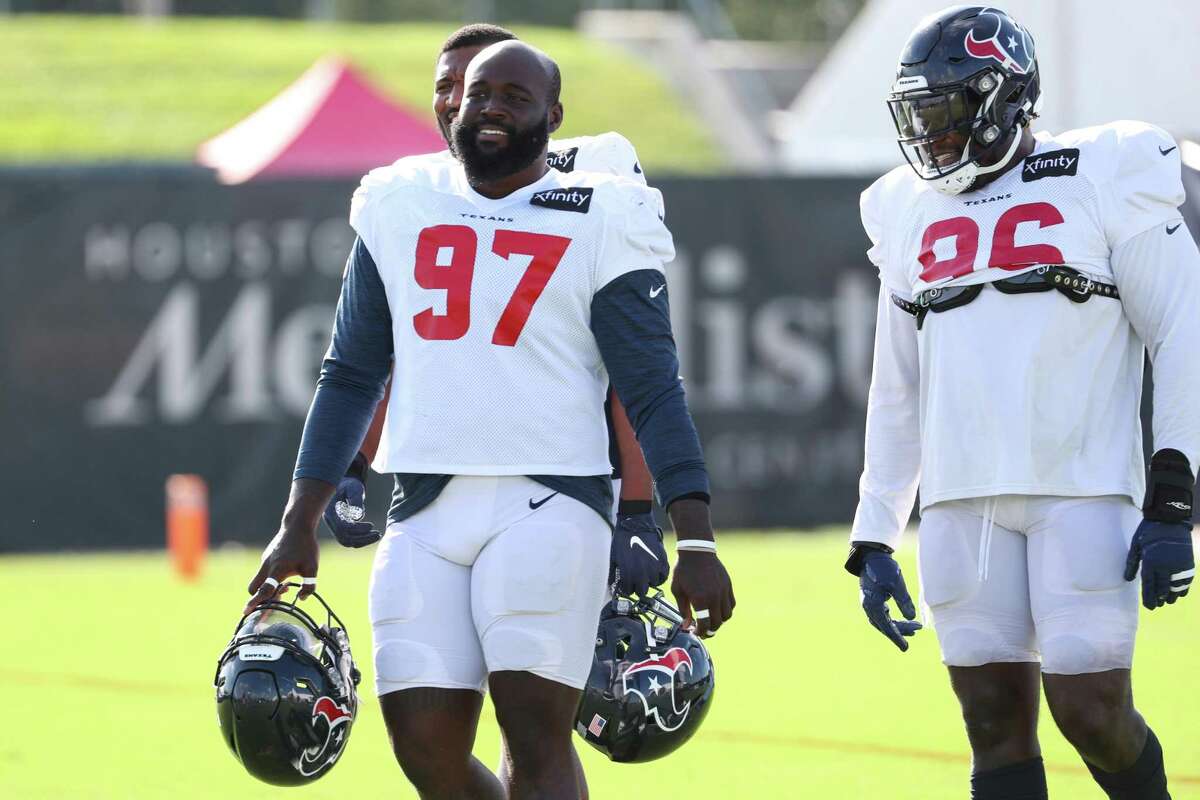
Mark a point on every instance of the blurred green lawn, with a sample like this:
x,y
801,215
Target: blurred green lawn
x,y
110,658
88,88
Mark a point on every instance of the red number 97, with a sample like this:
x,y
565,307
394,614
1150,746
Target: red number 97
x,y
455,278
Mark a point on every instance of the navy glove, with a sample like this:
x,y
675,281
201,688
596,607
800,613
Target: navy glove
x,y
1163,540
638,559
880,579
346,511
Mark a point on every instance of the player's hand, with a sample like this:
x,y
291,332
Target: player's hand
x,y
293,552
346,513
880,581
638,559
1168,563
703,591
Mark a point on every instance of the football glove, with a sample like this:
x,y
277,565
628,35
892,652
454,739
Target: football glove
x,y
1162,542
880,579
638,559
346,513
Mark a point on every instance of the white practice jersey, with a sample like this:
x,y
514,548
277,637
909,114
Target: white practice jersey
x,y
496,368
1028,394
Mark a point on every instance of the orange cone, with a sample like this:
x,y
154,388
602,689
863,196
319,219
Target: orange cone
x,y
187,524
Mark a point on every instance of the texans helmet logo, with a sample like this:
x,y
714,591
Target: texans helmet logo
x,y
657,674
337,718
993,47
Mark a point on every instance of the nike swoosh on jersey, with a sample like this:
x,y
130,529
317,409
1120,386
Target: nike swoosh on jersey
x,y
541,502
637,540
1167,151
1171,230
656,292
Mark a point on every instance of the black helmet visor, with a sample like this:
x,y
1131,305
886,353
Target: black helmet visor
x,y
934,128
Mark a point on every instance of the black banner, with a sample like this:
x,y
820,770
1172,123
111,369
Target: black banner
x,y
158,323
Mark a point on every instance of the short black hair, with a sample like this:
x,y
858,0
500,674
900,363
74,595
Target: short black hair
x,y
476,34
555,83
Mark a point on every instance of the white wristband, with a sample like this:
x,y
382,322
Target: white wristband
x,y
696,544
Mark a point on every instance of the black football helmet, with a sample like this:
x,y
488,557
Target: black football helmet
x,y
651,683
966,87
286,693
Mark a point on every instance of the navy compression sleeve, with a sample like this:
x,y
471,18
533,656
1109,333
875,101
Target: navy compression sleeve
x,y
631,321
353,373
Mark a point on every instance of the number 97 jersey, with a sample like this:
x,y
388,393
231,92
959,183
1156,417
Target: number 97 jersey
x,y
1029,393
496,368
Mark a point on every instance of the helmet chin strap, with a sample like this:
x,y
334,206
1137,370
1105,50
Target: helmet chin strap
x,y
963,179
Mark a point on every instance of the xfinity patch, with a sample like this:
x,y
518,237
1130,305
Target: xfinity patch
x,y
1056,164
563,160
577,199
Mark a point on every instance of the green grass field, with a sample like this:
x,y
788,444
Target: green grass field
x,y
87,88
110,661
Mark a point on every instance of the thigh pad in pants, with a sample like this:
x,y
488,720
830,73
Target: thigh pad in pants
x,y
978,621
537,589
420,608
1085,612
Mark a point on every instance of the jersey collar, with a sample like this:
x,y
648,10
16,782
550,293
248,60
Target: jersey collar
x,y
547,181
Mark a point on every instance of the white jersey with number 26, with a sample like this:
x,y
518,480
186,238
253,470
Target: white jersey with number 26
x,y
1029,393
496,368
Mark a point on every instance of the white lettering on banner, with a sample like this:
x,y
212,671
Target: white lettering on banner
x,y
160,251
208,250
801,371
157,251
239,350
854,304
252,250
785,354
756,459
301,342
106,252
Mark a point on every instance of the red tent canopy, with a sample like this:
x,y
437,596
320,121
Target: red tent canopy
x,y
331,121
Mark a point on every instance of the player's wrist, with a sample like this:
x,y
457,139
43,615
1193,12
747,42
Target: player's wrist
x,y
1169,489
358,467
634,507
859,552
691,521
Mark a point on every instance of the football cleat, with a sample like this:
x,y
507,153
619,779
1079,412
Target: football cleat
x,y
966,87
651,683
286,693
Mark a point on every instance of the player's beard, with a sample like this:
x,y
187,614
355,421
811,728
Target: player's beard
x,y
523,148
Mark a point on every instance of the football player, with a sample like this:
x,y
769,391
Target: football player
x,y
638,558
509,294
1023,276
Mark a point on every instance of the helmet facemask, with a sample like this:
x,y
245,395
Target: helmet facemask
x,y
951,135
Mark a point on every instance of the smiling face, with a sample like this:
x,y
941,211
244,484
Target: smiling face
x,y
448,86
507,113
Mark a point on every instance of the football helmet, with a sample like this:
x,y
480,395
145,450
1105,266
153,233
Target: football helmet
x,y
966,87
286,693
651,683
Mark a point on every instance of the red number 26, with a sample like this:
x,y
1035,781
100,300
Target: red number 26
x,y
1005,253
